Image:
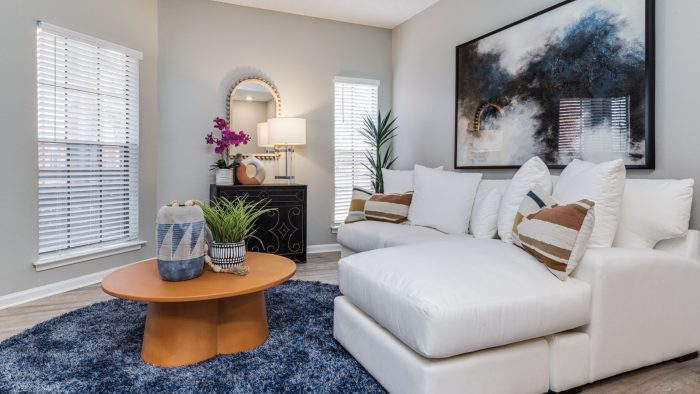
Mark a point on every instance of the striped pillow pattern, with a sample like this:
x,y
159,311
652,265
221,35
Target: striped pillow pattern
x,y
391,208
556,235
534,200
357,205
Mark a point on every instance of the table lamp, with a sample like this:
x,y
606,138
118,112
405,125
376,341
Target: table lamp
x,y
286,133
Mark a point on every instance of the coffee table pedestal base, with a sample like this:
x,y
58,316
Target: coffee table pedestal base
x,y
183,333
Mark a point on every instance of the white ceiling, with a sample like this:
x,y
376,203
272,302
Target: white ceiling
x,y
380,13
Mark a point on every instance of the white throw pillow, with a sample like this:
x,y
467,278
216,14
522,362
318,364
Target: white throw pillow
x,y
484,219
654,210
443,199
533,172
602,183
398,181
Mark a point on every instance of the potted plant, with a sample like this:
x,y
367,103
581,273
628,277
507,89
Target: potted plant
x,y
226,138
378,134
231,223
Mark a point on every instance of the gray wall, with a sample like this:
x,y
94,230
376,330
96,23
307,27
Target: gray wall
x,y
132,23
424,71
206,46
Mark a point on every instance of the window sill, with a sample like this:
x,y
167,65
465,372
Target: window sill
x,y
60,259
334,229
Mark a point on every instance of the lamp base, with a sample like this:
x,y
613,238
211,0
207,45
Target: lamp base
x,y
288,164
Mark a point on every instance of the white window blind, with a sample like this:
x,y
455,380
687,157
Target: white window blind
x,y
88,136
589,125
354,100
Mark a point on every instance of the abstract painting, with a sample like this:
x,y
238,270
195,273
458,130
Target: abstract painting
x,y
575,81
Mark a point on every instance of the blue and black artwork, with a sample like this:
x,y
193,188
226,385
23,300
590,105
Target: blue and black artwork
x,y
572,82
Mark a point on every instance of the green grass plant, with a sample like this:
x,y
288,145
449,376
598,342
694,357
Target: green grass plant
x,y
233,220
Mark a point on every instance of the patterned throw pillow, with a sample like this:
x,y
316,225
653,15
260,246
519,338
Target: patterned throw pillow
x,y
392,208
556,235
357,205
534,200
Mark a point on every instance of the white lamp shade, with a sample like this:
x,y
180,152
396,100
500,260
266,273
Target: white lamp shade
x,y
286,131
263,136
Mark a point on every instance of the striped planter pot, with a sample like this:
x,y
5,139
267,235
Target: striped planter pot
x,y
224,177
227,256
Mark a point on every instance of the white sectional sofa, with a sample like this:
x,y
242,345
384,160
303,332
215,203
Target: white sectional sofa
x,y
426,312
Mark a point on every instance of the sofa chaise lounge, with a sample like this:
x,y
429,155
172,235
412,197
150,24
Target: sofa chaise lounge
x,y
427,312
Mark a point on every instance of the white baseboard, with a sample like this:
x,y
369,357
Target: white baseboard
x,y
312,249
36,293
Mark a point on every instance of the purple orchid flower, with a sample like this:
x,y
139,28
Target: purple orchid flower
x,y
228,138
209,138
221,146
227,135
245,138
220,124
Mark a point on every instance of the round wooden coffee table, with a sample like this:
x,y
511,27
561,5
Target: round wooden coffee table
x,y
193,320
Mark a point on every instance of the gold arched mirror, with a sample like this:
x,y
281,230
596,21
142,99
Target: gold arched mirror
x,y
252,101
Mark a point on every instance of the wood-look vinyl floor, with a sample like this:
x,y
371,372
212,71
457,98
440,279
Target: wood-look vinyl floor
x,y
668,377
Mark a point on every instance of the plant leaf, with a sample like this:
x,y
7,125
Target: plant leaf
x,y
378,134
233,220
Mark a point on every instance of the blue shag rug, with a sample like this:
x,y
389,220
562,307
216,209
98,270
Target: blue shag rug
x,y
97,349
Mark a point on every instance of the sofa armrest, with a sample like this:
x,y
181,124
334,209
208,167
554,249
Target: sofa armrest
x,y
645,307
687,245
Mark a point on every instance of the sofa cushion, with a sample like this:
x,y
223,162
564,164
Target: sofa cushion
x,y
446,298
423,237
484,220
653,210
398,181
533,172
370,235
486,185
443,199
602,183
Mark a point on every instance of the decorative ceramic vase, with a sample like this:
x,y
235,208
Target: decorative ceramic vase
x,y
227,257
224,177
180,241
242,171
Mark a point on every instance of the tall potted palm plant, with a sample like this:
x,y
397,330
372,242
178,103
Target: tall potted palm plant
x,y
379,134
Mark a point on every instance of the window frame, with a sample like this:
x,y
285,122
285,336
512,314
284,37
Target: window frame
x,y
65,255
361,149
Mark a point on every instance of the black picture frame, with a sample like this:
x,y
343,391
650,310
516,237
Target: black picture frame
x,y
649,86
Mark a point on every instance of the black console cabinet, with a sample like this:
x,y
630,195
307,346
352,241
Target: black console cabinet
x,y
282,231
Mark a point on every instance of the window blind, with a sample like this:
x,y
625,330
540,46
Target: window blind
x,y
88,137
354,100
593,125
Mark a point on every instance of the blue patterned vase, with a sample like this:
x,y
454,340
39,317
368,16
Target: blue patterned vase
x,y
180,242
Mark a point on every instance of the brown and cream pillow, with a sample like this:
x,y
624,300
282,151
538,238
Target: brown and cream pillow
x,y
357,205
392,208
556,235
534,200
